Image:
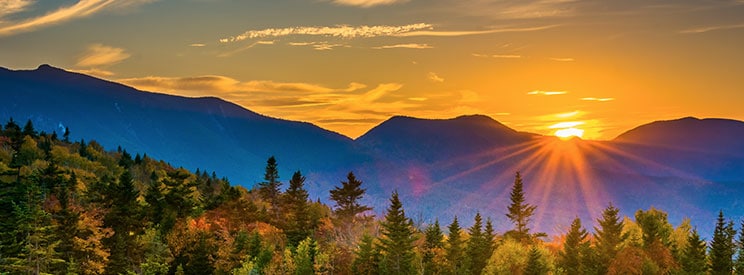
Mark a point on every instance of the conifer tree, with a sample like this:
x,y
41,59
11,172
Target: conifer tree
x,y
305,257
739,264
693,256
367,257
28,130
347,198
269,189
432,244
536,263
609,236
454,252
124,219
299,225
722,247
570,256
520,212
490,235
478,247
396,242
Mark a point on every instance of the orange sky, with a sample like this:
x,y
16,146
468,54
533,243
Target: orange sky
x,y
347,65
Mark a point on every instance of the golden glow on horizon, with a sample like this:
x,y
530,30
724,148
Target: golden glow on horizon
x,y
568,133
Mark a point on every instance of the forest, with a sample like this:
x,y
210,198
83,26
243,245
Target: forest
x,y
72,207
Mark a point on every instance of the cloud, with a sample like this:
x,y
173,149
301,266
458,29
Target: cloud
x,y
101,55
367,3
8,7
254,44
221,84
341,31
82,8
464,33
197,45
405,46
538,92
567,124
319,46
562,59
96,72
600,99
711,28
434,77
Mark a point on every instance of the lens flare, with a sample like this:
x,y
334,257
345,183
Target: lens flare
x,y
568,133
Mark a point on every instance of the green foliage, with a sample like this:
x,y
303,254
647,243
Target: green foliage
x,y
722,247
510,257
269,189
304,258
396,242
478,248
654,225
693,257
609,236
347,198
367,258
299,226
433,247
536,263
519,212
455,250
571,258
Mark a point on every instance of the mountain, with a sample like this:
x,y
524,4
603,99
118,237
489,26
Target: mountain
x,y
207,133
441,167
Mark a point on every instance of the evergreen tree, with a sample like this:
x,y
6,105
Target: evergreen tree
x,y
299,225
520,212
269,189
305,257
739,264
570,256
66,135
454,252
490,235
693,257
478,247
28,130
124,219
396,242
367,257
536,264
654,226
609,236
722,247
432,244
347,198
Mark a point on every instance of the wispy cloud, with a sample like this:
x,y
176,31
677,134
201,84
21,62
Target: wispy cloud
x,y
82,8
567,124
95,72
197,45
405,46
434,77
712,28
464,33
216,83
600,99
367,3
254,44
341,31
101,55
562,59
319,46
8,7
539,92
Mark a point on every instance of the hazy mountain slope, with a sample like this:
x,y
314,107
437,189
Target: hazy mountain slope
x,y
206,133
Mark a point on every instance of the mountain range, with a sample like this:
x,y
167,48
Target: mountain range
x,y
688,167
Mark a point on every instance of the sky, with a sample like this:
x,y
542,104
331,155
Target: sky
x,y
542,66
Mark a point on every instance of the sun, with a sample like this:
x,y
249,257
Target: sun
x,y
567,133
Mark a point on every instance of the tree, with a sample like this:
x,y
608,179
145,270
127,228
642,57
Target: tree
x,y
396,242
28,130
367,257
722,247
299,225
347,198
124,219
570,256
432,248
520,212
609,236
536,264
654,226
269,189
478,247
693,256
489,235
455,248
305,256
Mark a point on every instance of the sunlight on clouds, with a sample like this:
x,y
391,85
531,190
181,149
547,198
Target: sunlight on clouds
x,y
600,99
8,7
711,28
82,8
567,124
197,45
367,3
434,77
562,59
538,92
404,46
341,31
567,115
465,33
101,55
96,72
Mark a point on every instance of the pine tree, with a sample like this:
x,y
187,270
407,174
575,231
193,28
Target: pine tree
x,y
739,264
347,198
396,242
536,263
432,244
454,252
28,130
299,225
305,257
693,256
570,256
269,189
124,219
520,212
609,236
367,257
478,247
722,247
490,235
